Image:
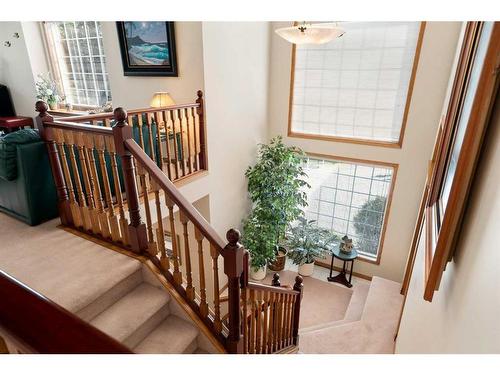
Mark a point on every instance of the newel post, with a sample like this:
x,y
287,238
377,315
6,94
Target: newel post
x,y
47,135
299,287
234,255
201,115
137,229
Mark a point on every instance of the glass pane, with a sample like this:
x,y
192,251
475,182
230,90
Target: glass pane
x,y
355,86
349,198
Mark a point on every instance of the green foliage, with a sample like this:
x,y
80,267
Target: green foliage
x,y
46,89
307,241
275,186
368,224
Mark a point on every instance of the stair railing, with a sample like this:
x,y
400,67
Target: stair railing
x,y
99,172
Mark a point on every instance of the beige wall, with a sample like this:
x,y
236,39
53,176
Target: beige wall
x,y
15,68
436,57
463,315
136,92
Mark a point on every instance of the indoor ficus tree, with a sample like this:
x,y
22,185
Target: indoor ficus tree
x,y
276,186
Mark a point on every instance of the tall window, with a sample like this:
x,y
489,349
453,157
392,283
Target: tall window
x,y
357,86
78,62
350,198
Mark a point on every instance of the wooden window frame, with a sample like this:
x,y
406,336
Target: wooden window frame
x,y
360,141
370,163
442,229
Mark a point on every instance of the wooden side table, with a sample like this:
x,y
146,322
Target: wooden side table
x,y
346,258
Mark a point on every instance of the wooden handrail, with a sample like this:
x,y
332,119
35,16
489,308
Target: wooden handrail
x,y
109,115
38,325
271,289
191,212
68,125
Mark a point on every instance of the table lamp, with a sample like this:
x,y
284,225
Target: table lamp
x,y
161,99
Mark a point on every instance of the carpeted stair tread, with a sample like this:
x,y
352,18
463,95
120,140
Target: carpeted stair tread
x,y
173,336
383,303
132,317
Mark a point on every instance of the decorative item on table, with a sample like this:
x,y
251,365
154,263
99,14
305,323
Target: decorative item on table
x,y
46,90
161,99
346,245
107,107
307,242
273,210
148,48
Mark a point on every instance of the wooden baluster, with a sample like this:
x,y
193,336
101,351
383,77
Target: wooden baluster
x,y
167,143
246,340
183,148
70,140
150,137
93,122
137,229
214,253
74,208
201,118
189,279
196,148
94,181
299,287
234,255
189,159
175,247
152,248
252,322
290,323
287,319
265,332
272,310
107,122
84,165
160,232
176,149
201,267
110,145
158,121
280,321
258,325
111,217
57,173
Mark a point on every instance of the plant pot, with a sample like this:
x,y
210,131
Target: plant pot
x,y
279,263
258,273
306,269
52,105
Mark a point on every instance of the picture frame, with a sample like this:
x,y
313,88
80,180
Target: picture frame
x,y
458,146
148,48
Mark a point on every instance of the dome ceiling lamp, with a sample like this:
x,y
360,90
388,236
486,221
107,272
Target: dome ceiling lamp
x,y
311,33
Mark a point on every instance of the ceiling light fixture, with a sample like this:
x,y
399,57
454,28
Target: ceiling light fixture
x,y
307,33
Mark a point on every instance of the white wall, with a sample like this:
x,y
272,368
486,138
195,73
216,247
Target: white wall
x,y
136,92
463,315
236,59
434,66
15,68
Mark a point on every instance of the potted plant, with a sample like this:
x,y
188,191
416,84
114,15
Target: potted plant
x,y
306,242
276,187
46,90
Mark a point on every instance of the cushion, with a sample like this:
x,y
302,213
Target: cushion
x,y
15,122
8,144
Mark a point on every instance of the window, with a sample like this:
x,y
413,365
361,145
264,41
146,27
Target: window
x,y
78,62
356,87
350,198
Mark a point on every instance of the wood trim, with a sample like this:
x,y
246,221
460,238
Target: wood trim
x,y
38,325
360,141
395,168
442,233
161,278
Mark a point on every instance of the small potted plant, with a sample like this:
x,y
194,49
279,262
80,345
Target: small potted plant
x,y
276,187
46,90
306,242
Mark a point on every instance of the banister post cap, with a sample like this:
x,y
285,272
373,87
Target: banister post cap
x,y
41,107
200,94
298,282
119,114
233,236
276,280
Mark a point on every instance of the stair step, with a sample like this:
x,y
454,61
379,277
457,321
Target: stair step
x,y
135,315
383,303
172,336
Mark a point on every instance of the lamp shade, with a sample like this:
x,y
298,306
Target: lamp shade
x,y
318,33
161,99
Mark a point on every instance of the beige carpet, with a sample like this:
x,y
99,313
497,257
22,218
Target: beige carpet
x,y
323,302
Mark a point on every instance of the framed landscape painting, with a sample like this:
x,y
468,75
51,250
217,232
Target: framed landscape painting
x,y
148,48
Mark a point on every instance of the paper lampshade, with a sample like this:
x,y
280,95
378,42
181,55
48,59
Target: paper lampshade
x,y
161,99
